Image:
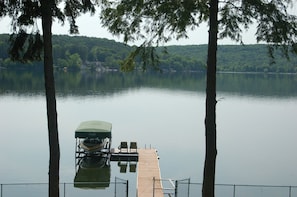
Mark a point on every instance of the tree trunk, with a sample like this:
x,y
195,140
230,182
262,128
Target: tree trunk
x,y
54,148
208,188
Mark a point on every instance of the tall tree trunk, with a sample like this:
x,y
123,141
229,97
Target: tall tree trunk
x,y
54,148
208,188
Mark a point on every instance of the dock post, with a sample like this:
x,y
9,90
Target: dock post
x,y
115,186
175,188
234,190
127,188
153,186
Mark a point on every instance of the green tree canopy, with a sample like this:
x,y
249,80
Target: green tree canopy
x,y
157,22
26,41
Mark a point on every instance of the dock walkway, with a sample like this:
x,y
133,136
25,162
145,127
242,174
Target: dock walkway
x,y
148,169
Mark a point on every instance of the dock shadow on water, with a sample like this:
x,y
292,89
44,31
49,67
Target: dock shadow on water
x,y
93,172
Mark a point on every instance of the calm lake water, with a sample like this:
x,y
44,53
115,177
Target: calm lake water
x,y
256,123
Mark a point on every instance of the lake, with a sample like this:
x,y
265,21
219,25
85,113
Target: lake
x,y
256,123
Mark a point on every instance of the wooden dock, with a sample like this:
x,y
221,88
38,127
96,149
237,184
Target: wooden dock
x,y
148,170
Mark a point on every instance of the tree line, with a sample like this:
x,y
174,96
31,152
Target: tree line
x,y
79,52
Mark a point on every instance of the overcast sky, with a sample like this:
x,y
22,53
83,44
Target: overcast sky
x,y
90,26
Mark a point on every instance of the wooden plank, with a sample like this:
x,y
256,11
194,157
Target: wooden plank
x,y
148,169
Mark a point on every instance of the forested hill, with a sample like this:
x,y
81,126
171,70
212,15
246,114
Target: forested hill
x,y
77,52
238,58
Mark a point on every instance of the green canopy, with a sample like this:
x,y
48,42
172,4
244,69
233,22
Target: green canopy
x,y
93,129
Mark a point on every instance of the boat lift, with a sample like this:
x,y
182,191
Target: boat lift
x,y
92,131
93,148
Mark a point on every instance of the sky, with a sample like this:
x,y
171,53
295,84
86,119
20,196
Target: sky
x,y
90,26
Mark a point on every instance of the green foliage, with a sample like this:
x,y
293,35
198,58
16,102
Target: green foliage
x,y
26,47
276,26
157,22
74,8
72,61
154,21
146,55
81,52
92,51
26,43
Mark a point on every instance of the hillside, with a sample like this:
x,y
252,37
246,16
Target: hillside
x,y
238,58
78,52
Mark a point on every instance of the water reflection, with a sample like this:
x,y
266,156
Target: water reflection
x,y
106,84
123,165
92,172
